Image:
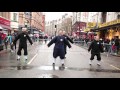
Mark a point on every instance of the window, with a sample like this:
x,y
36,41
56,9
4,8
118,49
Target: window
x,y
118,16
0,13
15,17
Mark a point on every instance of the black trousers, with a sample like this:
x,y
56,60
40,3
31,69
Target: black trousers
x,y
15,45
65,49
98,56
24,47
59,52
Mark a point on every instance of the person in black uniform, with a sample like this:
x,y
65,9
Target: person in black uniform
x,y
22,43
68,39
96,49
59,49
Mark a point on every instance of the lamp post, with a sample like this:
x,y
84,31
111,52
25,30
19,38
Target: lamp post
x,y
30,22
55,29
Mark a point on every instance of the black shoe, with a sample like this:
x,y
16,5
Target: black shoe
x,y
63,65
18,59
53,64
25,61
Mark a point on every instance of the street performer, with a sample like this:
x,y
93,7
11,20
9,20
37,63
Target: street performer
x,y
23,37
59,49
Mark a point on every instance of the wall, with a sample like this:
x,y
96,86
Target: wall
x,y
6,15
37,20
14,24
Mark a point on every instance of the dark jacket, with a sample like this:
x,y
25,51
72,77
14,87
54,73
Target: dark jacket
x,y
59,49
117,43
96,47
66,37
23,39
59,42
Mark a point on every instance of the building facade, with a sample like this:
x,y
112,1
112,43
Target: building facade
x,y
109,26
79,21
5,28
5,22
34,21
14,17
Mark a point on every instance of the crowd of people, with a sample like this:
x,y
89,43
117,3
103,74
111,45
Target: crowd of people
x,y
112,46
6,40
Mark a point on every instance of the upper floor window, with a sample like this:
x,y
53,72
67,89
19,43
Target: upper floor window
x,y
118,16
15,17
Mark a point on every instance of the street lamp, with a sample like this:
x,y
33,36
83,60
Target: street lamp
x,y
56,29
30,21
26,24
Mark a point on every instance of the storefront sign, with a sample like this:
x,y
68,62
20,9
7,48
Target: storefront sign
x,y
91,25
4,21
110,23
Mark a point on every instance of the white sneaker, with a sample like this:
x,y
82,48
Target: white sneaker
x,y
98,63
90,62
12,51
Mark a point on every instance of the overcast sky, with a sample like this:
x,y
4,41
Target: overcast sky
x,y
55,15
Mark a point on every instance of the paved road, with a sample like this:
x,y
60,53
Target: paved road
x,y
76,65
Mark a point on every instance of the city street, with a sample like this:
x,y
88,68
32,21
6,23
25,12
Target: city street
x,y
39,64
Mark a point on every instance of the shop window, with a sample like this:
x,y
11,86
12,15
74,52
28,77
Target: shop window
x,y
118,17
15,17
0,13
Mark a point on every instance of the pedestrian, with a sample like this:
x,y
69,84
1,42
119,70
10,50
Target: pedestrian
x,y
6,42
23,37
96,49
9,41
68,39
45,38
59,49
117,44
15,35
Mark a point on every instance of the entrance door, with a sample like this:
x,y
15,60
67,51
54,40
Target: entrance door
x,y
102,34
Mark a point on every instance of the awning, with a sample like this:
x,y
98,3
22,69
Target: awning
x,y
87,30
107,27
5,27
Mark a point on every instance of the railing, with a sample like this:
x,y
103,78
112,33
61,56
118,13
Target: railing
x,y
106,47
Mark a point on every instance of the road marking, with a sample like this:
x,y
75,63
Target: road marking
x,y
115,67
32,59
112,65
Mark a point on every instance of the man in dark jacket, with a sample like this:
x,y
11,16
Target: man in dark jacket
x,y
96,49
22,43
68,39
59,47
117,44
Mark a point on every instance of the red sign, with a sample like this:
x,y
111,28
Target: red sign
x,y
4,21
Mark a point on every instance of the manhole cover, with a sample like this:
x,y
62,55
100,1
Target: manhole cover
x,y
48,76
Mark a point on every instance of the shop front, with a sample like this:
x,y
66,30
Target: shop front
x,y
109,30
4,30
78,28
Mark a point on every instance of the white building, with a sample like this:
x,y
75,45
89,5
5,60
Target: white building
x,y
112,16
80,17
14,20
